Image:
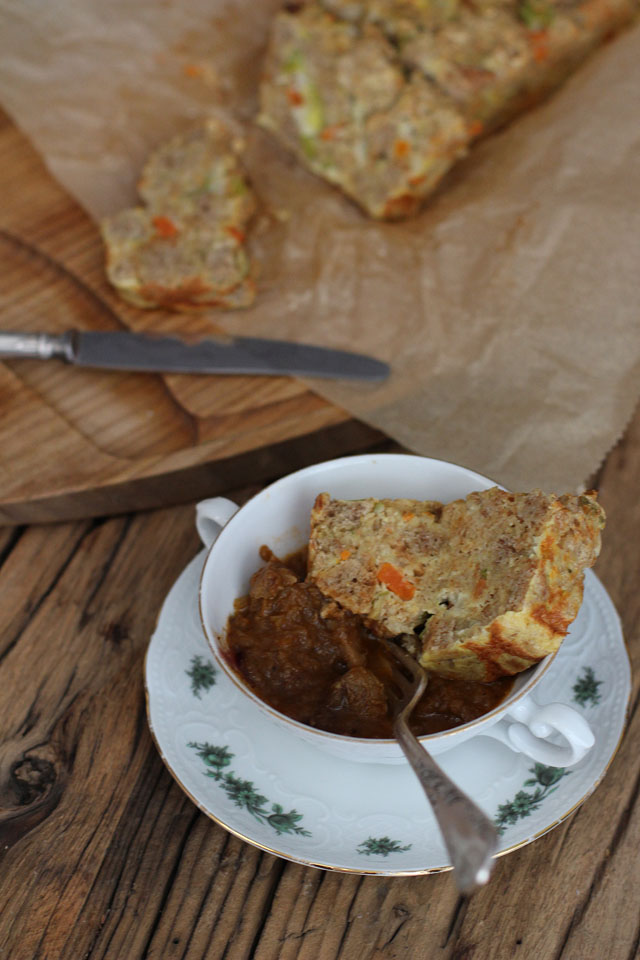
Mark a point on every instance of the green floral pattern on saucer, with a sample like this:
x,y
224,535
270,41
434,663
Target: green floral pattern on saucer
x,y
201,674
545,780
585,689
381,847
243,792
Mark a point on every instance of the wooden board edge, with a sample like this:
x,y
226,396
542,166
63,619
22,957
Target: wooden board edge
x,y
197,482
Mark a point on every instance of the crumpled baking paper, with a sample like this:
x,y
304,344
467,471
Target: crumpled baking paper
x,y
508,308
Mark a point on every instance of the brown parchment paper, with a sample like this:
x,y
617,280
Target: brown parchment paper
x,y
509,309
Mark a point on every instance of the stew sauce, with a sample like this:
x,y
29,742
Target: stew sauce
x,y
319,664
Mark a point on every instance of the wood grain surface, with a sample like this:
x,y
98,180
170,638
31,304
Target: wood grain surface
x,y
76,443
104,857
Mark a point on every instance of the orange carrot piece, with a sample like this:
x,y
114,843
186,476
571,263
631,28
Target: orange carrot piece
x,y
295,98
345,554
480,587
539,45
236,233
401,148
330,133
393,578
165,227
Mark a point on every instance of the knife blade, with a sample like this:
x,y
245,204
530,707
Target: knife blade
x,y
119,350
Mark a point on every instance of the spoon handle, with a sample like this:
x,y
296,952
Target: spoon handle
x,y
470,837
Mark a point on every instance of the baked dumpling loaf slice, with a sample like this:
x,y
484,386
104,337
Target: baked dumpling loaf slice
x,y
381,98
184,248
478,588
336,95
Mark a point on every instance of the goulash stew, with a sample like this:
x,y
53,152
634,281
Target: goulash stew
x,y
319,664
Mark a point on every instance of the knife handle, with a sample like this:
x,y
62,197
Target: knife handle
x,y
41,346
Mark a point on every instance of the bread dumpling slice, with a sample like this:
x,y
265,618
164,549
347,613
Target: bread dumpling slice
x,y
478,588
184,247
335,94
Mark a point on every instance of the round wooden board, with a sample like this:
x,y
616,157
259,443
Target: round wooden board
x,y
77,443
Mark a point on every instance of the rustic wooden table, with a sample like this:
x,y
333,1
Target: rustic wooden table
x,y
104,856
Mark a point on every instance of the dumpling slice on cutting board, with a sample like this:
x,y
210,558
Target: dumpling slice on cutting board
x,y
184,248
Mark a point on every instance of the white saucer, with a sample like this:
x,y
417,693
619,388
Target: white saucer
x,y
271,789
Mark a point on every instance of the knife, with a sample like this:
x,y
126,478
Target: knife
x,y
118,350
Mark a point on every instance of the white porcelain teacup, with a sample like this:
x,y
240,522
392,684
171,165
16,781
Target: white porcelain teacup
x,y
554,734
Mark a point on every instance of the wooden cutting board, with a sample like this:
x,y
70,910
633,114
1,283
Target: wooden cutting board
x,y
78,443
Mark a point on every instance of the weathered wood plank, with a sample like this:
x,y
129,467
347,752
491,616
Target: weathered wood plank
x,y
74,731
104,857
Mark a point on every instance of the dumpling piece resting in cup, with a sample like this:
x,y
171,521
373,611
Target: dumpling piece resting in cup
x,y
478,588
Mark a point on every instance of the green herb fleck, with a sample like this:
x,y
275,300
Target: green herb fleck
x,y
309,147
293,62
536,14
238,187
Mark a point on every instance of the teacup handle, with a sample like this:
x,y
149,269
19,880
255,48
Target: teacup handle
x,y
211,516
533,726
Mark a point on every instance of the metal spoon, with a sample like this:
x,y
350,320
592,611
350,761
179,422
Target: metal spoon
x,y
470,837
